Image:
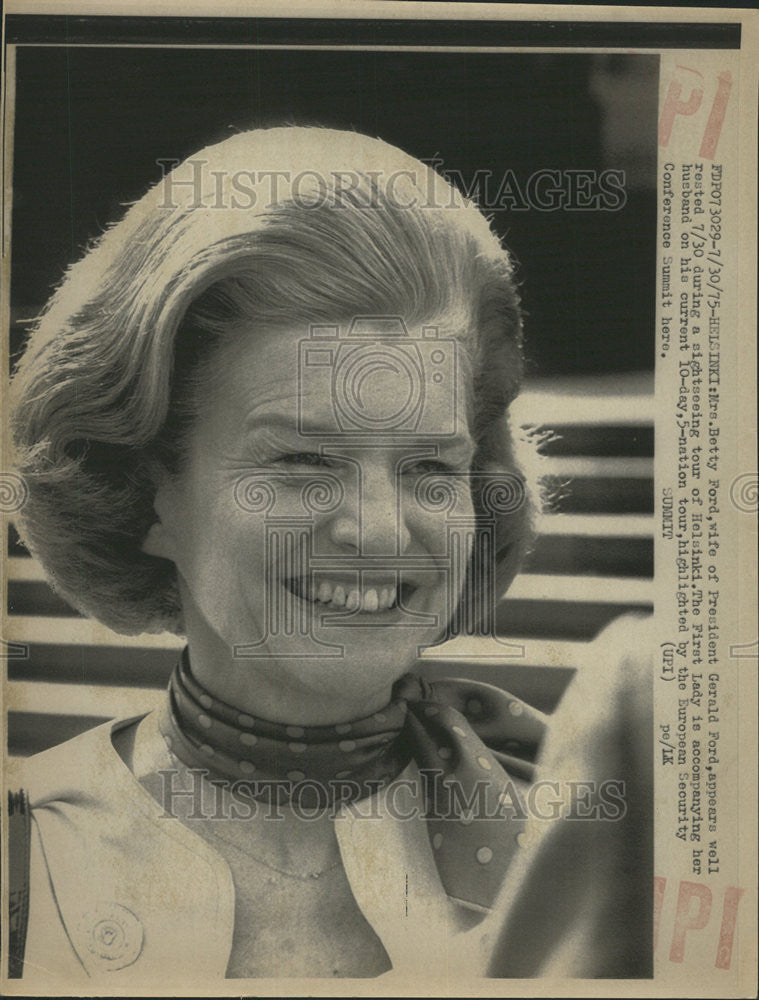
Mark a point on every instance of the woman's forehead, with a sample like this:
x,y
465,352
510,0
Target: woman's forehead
x,y
337,385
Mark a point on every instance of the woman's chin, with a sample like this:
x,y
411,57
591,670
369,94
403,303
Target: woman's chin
x,y
312,636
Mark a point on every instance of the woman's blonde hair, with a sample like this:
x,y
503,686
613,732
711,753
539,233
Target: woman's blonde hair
x,y
279,227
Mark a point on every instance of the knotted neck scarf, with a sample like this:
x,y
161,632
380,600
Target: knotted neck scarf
x,y
474,746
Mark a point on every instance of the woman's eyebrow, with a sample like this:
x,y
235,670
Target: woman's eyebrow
x,y
279,422
460,445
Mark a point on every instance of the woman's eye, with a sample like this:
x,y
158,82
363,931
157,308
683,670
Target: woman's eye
x,y
433,465
307,458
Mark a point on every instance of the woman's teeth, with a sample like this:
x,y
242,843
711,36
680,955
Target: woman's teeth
x,y
369,600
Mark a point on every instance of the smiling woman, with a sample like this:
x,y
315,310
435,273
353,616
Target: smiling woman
x,y
194,268
273,418
376,541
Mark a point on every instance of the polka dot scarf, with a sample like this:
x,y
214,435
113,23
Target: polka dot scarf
x,y
474,746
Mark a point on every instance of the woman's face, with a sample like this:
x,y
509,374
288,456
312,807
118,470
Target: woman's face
x,y
314,555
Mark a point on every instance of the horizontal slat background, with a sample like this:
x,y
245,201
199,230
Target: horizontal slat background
x,y
592,561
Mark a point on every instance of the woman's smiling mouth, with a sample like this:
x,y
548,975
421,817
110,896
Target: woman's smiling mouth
x,y
346,596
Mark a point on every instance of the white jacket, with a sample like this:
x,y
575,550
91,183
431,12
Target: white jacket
x,y
123,893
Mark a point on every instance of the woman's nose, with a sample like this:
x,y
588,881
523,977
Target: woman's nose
x,y
370,519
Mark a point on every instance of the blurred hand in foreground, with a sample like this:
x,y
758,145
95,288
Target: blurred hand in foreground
x,y
578,900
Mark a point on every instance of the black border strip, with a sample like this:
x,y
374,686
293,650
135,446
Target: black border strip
x,y
104,30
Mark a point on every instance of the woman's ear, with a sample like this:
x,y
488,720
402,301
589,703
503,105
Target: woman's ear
x,y
161,539
157,542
